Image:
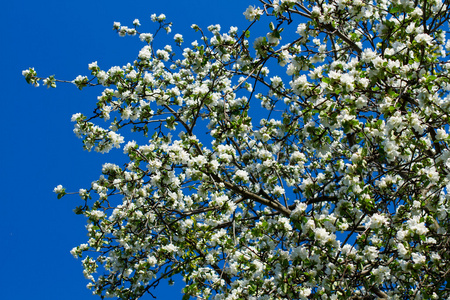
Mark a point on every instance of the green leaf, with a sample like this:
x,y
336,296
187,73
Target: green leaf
x,y
271,26
326,80
78,210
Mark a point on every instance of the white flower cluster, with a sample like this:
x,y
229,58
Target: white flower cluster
x,y
328,179
252,13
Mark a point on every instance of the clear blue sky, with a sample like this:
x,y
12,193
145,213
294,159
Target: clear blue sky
x,y
39,150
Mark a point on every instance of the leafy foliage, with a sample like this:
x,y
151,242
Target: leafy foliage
x,y
337,188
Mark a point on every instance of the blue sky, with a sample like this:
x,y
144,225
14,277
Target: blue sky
x,y
39,149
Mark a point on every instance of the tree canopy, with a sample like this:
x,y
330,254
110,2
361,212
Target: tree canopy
x,y
311,162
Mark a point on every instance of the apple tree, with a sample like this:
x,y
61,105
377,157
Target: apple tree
x,y
307,162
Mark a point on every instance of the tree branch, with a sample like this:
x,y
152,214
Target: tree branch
x,y
246,194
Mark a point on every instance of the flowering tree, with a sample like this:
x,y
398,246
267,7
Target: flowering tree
x,y
337,188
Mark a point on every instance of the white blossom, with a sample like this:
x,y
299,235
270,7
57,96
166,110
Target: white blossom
x,y
328,179
251,13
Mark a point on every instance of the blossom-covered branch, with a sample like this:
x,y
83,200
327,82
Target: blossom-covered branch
x,y
311,162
